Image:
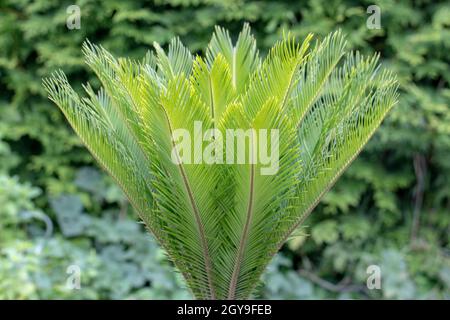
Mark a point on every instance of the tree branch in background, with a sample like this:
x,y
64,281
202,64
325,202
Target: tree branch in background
x,y
420,169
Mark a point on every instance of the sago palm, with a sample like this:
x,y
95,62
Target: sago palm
x,y
222,222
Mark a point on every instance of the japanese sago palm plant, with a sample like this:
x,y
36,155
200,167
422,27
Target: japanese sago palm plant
x,y
222,221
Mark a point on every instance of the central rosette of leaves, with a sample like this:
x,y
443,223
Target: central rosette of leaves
x,y
221,222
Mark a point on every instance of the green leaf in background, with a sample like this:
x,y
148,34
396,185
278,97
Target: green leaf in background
x,y
69,214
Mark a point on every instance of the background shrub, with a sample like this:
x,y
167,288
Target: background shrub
x,y
58,209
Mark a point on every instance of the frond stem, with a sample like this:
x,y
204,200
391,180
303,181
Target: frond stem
x,y
245,232
201,230
234,68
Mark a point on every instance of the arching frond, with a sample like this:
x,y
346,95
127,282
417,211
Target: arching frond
x,y
314,75
108,141
334,131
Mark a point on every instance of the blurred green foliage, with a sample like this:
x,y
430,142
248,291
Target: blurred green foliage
x,y
57,209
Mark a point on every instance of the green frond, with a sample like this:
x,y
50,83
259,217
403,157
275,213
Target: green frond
x,y
259,198
314,74
243,58
277,75
177,61
339,125
110,72
104,138
213,85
